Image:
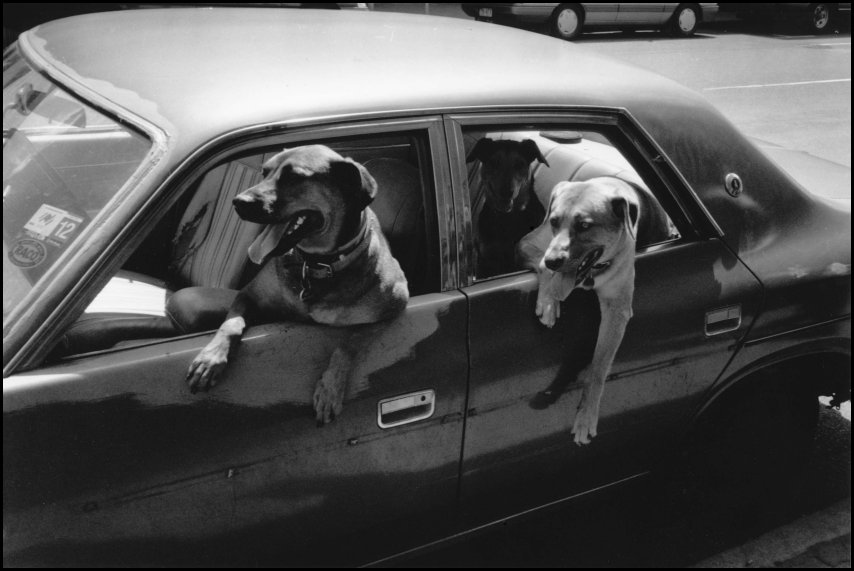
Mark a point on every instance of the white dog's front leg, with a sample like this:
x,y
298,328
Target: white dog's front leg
x,y
615,317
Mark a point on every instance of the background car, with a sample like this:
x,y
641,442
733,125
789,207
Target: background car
x,y
817,18
567,21
119,170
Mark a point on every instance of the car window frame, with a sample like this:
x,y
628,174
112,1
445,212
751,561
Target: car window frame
x,y
680,201
187,175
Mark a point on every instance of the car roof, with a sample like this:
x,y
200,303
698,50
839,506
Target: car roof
x,y
201,72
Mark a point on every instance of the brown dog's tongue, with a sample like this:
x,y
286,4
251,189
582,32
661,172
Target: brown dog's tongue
x,y
266,242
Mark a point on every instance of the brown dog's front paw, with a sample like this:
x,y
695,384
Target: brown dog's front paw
x,y
205,369
328,401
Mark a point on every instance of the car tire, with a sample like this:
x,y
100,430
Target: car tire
x,y
684,22
753,448
820,18
566,22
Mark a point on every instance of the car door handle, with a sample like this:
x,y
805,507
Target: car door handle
x,y
405,409
723,320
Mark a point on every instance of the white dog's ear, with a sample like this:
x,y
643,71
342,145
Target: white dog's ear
x,y
628,212
353,177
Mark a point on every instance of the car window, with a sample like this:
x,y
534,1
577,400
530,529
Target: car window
x,y
63,162
201,242
510,175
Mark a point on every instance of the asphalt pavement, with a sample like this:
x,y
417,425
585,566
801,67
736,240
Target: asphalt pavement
x,y
782,87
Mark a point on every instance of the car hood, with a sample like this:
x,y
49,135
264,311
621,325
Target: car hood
x,y
818,176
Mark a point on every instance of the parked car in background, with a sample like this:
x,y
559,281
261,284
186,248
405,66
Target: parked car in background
x,y
567,21
818,18
127,134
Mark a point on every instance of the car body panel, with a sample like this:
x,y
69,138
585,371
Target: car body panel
x,y
664,366
193,112
99,449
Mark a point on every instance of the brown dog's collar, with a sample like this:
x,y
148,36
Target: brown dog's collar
x,y
323,266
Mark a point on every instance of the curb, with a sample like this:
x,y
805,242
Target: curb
x,y
790,545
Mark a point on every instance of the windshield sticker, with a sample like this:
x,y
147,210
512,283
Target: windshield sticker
x,y
53,225
27,253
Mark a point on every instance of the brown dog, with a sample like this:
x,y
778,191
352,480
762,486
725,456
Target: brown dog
x,y
336,266
588,241
504,205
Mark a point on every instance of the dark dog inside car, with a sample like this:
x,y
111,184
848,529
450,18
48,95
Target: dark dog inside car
x,y
504,205
323,258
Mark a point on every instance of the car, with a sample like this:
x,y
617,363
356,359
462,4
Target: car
x,y
568,21
126,135
817,18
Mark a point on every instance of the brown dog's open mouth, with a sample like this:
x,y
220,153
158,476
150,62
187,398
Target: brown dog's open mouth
x,y
302,224
276,239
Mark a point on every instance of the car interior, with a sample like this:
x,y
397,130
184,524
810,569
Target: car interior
x,y
571,156
201,242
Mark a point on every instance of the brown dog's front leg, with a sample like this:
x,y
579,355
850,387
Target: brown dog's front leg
x,y
211,361
615,316
331,389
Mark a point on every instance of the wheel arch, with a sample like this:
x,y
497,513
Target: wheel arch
x,y
581,11
579,7
695,5
830,364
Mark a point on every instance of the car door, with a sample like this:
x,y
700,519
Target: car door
x,y
692,304
644,13
109,448
596,14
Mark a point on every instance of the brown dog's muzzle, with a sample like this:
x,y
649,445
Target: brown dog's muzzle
x,y
255,205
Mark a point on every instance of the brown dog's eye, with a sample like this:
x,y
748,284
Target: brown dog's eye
x,y
555,222
584,225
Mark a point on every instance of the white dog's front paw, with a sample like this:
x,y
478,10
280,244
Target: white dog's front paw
x,y
584,427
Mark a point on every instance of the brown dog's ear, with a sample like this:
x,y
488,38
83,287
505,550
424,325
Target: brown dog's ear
x,y
354,178
481,150
628,213
531,151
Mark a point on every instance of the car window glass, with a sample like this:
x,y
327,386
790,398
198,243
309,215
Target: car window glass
x,y
201,242
63,162
510,175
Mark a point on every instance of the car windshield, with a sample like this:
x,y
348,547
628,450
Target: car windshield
x,y
62,163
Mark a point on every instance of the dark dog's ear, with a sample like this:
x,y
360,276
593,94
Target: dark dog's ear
x,y
481,150
628,213
354,178
531,151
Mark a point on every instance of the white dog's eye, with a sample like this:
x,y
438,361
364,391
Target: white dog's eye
x,y
584,225
554,221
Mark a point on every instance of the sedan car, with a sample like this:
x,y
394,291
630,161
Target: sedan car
x,y
126,136
567,21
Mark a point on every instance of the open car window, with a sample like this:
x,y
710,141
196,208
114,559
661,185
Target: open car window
x,y
510,175
202,242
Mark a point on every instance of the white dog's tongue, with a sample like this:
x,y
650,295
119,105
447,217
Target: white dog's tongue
x,y
266,242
